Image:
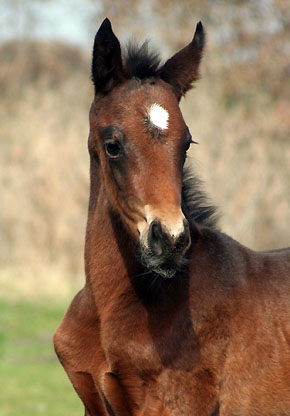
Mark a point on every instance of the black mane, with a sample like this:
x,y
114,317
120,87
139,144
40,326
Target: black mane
x,y
195,203
141,63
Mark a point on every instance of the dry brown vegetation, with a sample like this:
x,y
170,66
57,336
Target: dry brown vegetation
x,y
44,164
239,113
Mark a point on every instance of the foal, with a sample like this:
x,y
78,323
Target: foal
x,y
175,318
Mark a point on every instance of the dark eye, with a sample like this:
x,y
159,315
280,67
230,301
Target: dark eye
x,y
113,149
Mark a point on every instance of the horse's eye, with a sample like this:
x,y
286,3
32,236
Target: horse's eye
x,y
113,149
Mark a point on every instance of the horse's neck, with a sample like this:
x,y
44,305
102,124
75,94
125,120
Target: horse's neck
x,y
107,265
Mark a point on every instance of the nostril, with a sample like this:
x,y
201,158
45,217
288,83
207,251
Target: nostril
x,y
156,230
155,236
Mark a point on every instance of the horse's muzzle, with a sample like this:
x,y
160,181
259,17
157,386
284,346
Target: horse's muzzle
x,y
164,253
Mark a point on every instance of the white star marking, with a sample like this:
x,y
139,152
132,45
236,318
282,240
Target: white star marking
x,y
158,116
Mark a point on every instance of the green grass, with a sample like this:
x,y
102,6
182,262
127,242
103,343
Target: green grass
x,y
32,380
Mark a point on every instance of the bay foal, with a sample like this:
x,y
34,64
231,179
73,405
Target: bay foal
x,y
175,318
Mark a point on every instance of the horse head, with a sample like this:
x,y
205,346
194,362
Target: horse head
x,y
139,140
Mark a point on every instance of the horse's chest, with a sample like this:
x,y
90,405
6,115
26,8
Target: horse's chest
x,y
152,341
163,357
130,344
169,378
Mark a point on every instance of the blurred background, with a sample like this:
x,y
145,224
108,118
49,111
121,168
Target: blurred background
x,y
239,113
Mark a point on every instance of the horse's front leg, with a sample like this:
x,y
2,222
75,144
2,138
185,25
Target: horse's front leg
x,y
77,346
83,384
115,398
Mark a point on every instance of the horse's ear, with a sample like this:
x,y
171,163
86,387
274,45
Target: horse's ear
x,y
107,69
183,68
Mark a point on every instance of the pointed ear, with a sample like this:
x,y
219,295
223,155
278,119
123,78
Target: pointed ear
x,y
107,69
183,68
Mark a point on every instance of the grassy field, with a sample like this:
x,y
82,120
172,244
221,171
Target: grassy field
x,y
32,380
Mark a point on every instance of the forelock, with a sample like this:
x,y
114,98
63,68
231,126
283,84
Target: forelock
x,y
139,62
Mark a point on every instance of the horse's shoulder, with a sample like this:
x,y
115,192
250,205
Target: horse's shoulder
x,y
79,325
